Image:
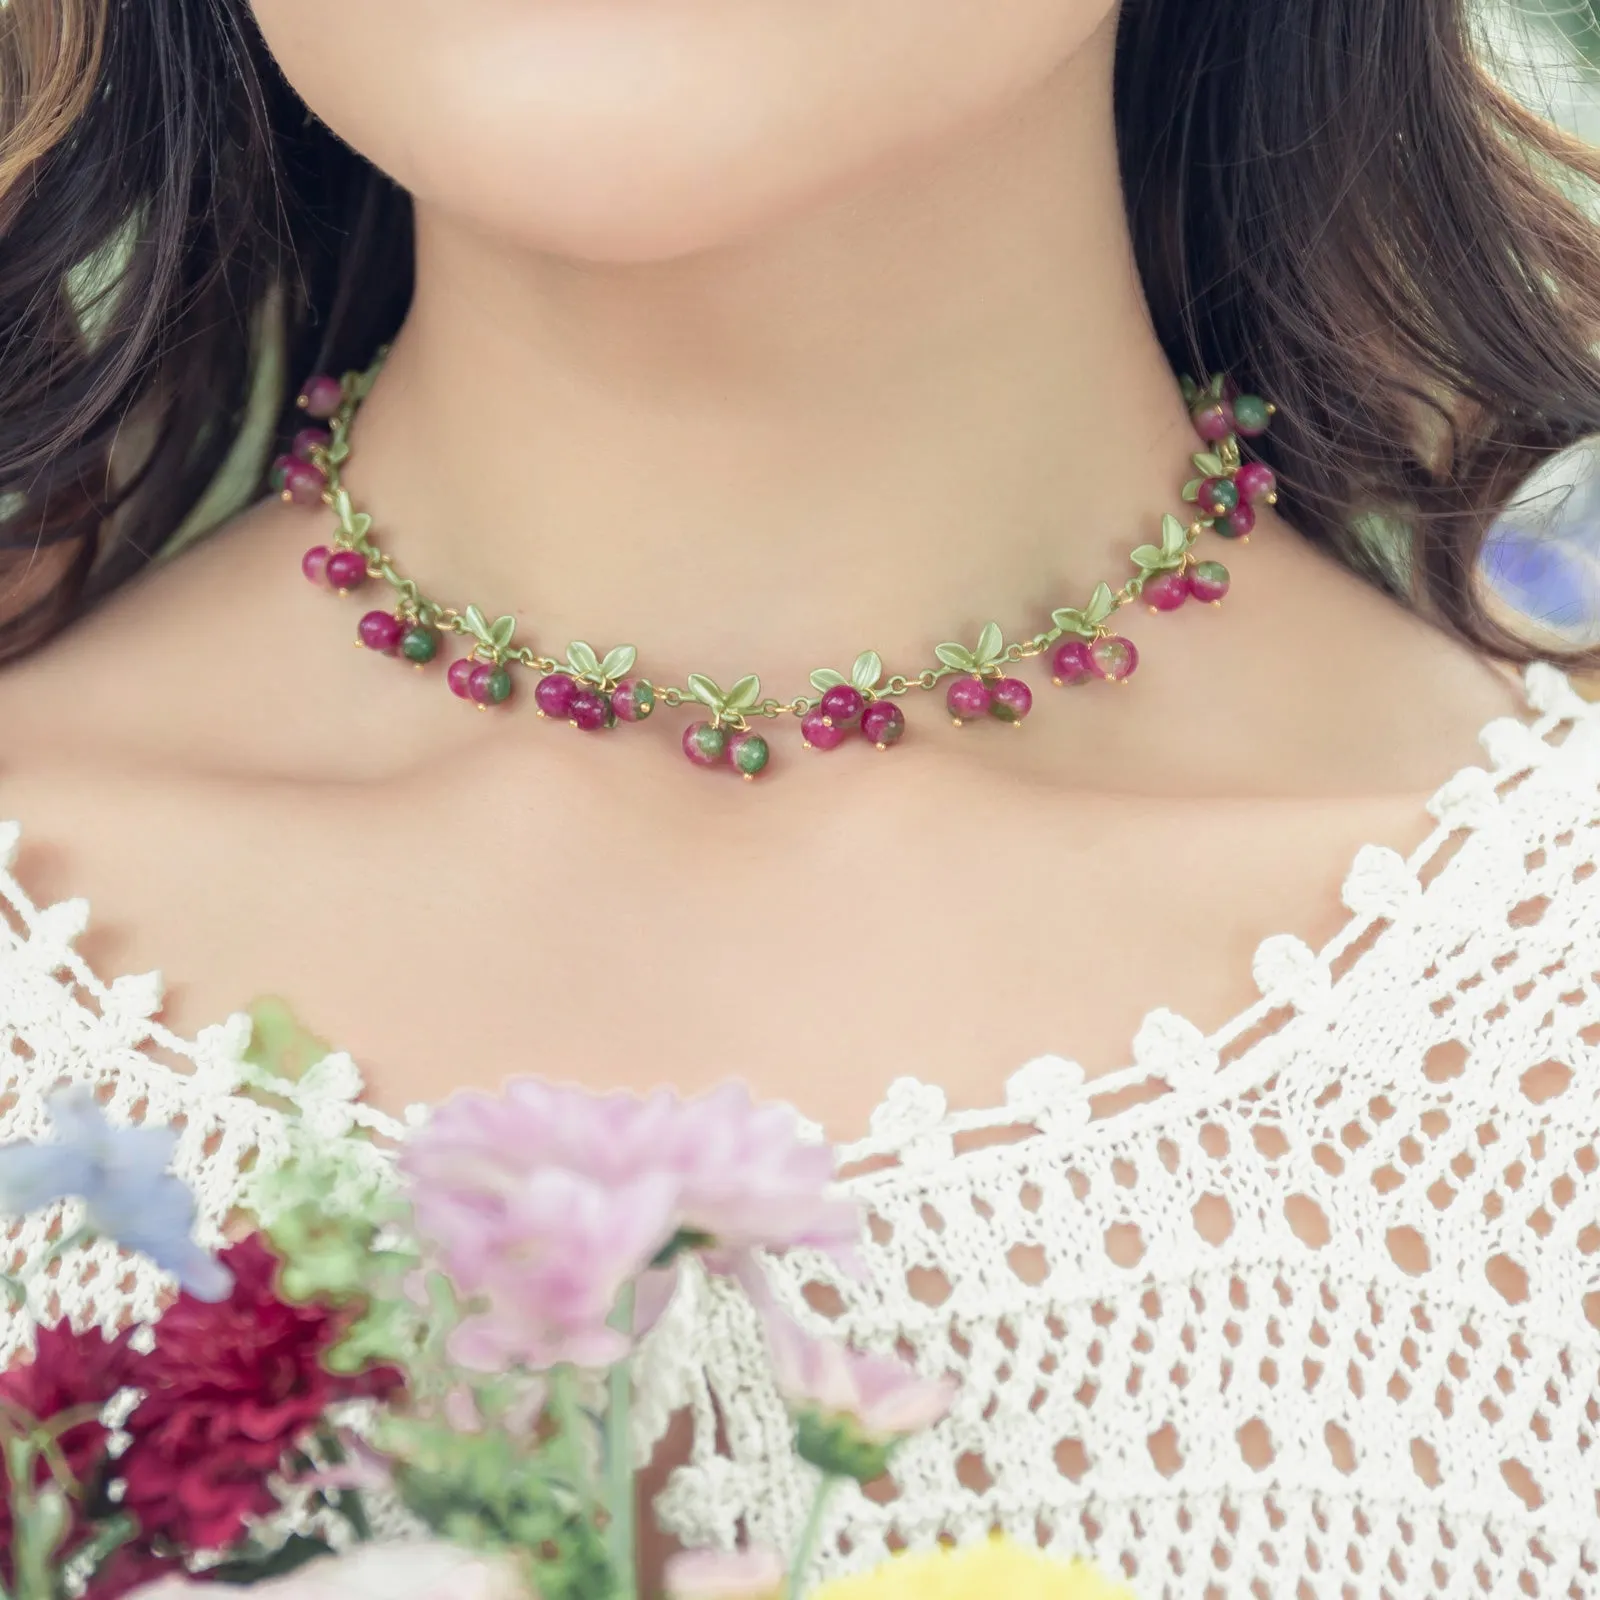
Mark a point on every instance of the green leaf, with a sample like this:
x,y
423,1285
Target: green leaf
x,y
476,625
867,670
706,692
1070,621
825,678
1174,536
1191,490
500,634
583,660
1191,391
1217,385
278,1043
1228,450
1101,604
955,655
339,451
360,525
744,693
619,662
1151,558
1208,464
991,643
342,508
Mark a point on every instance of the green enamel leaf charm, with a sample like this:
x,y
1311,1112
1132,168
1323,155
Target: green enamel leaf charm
x,y
744,693
991,645
1086,623
619,662
867,670
1101,604
1174,537
707,693
1208,465
1228,450
1217,385
825,678
500,634
477,626
1191,391
339,452
583,660
956,656
1191,490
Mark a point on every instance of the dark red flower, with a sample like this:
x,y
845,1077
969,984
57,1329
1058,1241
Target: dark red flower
x,y
230,1388
69,1372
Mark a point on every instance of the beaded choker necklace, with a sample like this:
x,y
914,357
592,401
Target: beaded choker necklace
x,y
595,692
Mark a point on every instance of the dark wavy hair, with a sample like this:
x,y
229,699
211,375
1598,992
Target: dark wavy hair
x,y
1330,200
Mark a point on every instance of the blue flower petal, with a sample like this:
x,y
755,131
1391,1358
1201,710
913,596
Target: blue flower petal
x,y
203,1275
36,1175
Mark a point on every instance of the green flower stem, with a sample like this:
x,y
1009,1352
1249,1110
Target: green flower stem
x,y
807,1547
30,1562
619,1458
569,1420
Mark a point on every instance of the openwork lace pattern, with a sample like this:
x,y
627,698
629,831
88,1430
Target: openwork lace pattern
x,y
1309,1308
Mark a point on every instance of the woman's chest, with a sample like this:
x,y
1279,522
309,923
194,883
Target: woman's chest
x,y
445,941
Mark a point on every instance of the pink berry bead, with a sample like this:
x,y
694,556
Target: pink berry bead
x,y
489,685
460,677
302,483
1115,659
321,397
1238,522
884,723
704,744
347,570
1213,421
1256,482
633,699
381,632
1209,582
314,563
307,440
590,710
1167,591
1012,701
554,694
1073,663
843,705
967,698
820,732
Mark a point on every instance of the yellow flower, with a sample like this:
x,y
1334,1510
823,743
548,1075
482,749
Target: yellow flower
x,y
978,1572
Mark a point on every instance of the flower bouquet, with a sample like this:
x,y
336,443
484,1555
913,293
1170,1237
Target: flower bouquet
x,y
459,1347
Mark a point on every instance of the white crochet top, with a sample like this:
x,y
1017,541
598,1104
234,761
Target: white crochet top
x,y
1310,1308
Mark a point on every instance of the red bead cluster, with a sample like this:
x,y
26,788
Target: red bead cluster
x,y
564,697
296,476
1004,699
1109,659
843,711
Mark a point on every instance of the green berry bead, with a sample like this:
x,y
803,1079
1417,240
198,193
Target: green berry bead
x,y
749,754
419,644
1218,496
1251,415
497,687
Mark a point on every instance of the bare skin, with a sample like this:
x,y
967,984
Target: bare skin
x,y
877,420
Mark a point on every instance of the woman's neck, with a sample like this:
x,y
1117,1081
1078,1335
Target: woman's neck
x,y
927,403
